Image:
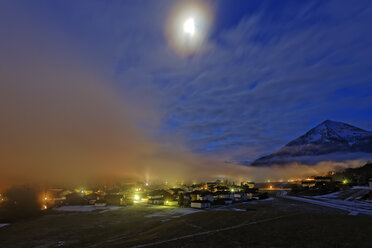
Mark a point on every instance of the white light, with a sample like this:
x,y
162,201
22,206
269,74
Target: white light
x,y
189,26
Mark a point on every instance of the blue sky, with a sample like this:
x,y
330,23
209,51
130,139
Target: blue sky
x,y
271,70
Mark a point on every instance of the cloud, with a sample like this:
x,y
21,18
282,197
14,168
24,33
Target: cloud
x,y
296,64
98,93
266,80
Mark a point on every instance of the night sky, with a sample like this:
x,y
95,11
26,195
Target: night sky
x,y
267,71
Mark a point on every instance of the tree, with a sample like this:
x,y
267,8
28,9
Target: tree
x,y
21,202
181,200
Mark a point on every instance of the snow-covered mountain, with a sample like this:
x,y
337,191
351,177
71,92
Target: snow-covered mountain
x,y
329,137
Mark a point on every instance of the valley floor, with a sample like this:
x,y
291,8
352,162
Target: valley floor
x,y
276,222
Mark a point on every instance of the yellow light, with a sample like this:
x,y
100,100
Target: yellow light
x,y
45,198
45,207
344,181
136,197
166,202
271,187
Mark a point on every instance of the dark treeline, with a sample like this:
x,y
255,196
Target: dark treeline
x,y
20,202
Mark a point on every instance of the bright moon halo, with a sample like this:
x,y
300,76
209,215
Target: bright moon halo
x,y
187,27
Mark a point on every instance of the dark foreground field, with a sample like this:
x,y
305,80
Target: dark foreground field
x,y
271,223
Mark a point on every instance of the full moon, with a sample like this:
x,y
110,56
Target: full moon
x,y
187,27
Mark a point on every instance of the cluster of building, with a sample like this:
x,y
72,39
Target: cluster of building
x,y
202,195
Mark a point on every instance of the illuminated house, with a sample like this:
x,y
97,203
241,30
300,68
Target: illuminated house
x,y
242,196
309,184
323,179
248,184
223,195
100,203
201,204
170,202
176,191
156,201
205,196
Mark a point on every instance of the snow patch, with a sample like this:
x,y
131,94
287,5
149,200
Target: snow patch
x,y
86,208
174,213
3,224
238,209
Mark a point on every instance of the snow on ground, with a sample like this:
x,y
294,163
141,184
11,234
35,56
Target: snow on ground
x,y
238,209
174,213
331,195
362,187
257,201
3,224
352,194
351,207
86,208
267,199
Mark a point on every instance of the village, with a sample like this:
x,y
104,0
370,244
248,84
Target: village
x,y
197,195
169,213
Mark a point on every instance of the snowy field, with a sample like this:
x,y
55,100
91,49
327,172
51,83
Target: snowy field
x,y
87,208
353,207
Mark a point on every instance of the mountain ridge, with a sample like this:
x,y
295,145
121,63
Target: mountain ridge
x,y
329,137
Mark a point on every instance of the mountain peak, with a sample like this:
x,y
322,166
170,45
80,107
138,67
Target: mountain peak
x,y
329,121
327,137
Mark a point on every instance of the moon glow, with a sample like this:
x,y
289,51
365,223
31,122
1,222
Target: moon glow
x,y
187,27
